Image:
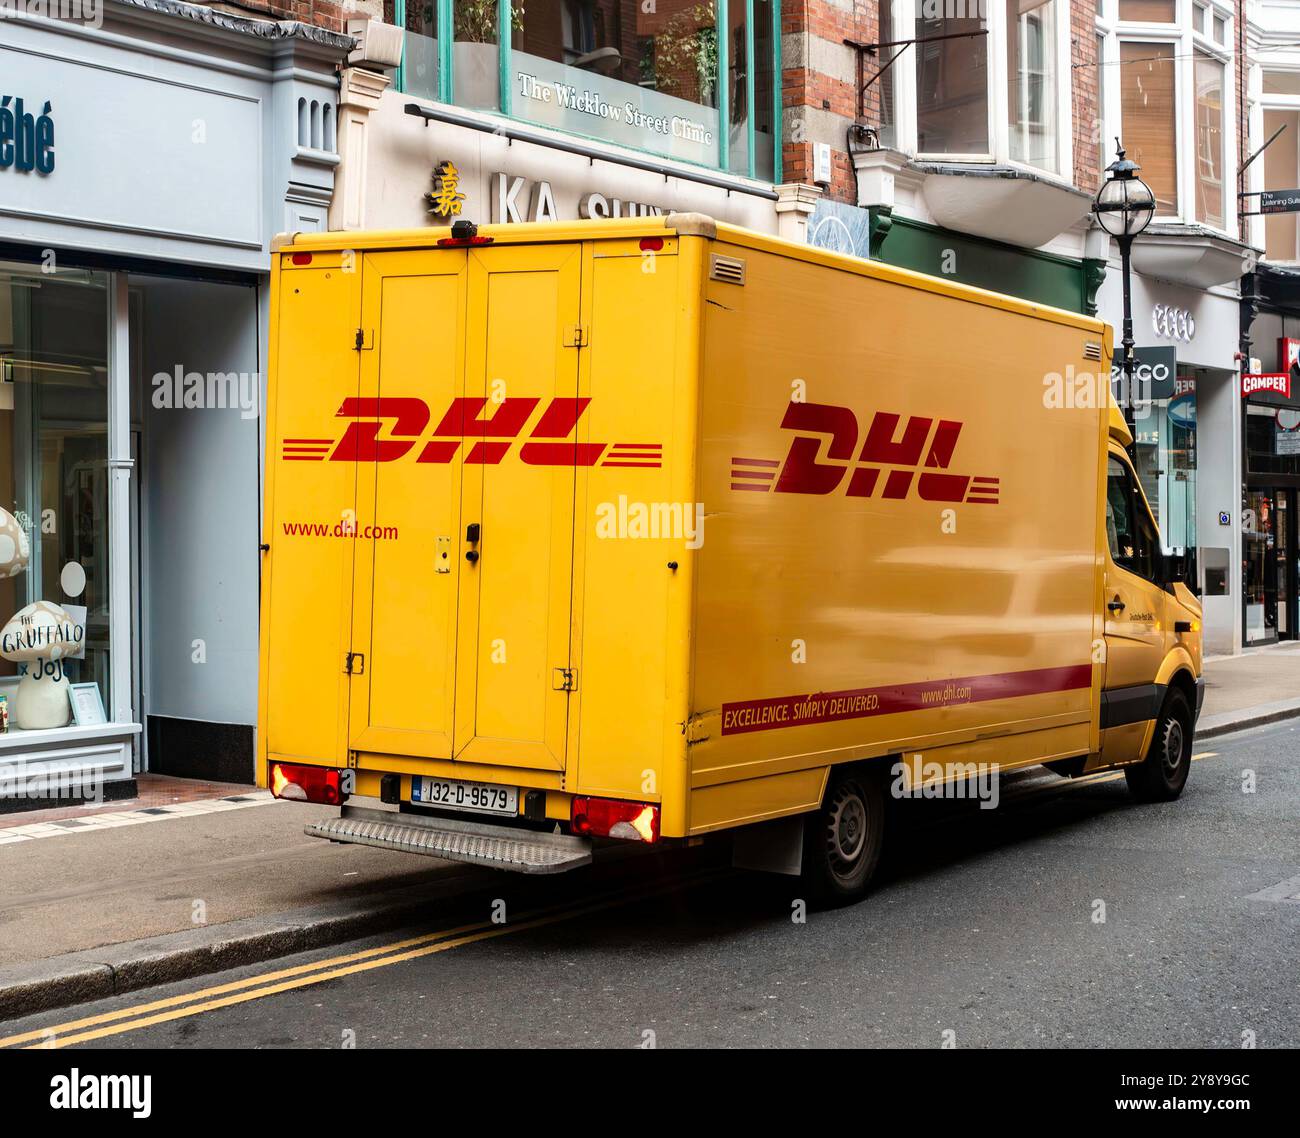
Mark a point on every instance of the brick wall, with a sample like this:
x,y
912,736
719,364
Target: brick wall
x,y
1085,82
331,14
818,80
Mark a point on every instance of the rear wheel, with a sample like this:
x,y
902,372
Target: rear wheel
x,y
1161,776
842,841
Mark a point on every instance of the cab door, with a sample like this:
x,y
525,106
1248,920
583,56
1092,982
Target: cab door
x,y
1134,602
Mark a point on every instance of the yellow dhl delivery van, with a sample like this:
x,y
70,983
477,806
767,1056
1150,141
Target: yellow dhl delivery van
x,y
647,529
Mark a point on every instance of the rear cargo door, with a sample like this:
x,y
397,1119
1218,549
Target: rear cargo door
x,y
309,568
406,451
463,443
517,501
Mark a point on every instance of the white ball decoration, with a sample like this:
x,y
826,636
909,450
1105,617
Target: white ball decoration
x,y
15,549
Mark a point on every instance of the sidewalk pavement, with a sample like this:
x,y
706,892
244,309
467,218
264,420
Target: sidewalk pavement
x,y
193,878
1256,687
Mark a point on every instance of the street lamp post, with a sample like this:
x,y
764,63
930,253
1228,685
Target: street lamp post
x,y
1124,207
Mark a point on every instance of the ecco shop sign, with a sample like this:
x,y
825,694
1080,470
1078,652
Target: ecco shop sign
x,y
1173,323
26,138
515,199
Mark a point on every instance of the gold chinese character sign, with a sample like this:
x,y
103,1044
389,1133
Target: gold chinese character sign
x,y
446,200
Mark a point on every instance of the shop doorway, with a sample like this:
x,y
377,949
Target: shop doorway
x,y
1269,563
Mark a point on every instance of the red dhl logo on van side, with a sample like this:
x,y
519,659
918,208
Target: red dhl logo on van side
x,y
902,459
386,429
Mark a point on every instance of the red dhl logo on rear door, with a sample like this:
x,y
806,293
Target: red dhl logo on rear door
x,y
388,429
902,459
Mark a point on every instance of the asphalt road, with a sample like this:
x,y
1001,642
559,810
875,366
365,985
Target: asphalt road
x,y
984,924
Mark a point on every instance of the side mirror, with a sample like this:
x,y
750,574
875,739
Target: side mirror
x,y
1175,568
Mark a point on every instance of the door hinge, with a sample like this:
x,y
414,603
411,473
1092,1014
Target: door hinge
x,y
565,679
364,340
354,664
576,336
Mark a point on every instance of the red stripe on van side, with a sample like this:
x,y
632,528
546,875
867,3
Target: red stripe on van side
x,y
865,703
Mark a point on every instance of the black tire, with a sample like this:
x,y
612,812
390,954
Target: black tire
x,y
843,840
1161,776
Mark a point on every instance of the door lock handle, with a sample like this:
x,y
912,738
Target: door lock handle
x,y
473,532
1116,605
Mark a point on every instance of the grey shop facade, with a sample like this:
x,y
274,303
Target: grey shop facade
x,y
144,168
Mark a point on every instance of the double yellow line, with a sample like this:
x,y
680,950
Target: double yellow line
x,y
304,975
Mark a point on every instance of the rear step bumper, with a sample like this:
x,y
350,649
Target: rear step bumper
x,y
499,847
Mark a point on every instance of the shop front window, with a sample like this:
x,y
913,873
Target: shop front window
x,y
1262,540
1165,460
54,601
1269,545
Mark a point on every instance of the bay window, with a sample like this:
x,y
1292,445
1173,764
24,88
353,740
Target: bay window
x,y
952,87
1165,88
1032,80
1208,76
695,80
1281,170
1148,112
988,81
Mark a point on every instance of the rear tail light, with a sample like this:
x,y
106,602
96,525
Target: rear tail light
x,y
611,818
301,783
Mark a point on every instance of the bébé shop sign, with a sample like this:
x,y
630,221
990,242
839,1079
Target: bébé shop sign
x,y
26,136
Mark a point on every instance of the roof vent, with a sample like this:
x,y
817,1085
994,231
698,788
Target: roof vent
x,y
729,270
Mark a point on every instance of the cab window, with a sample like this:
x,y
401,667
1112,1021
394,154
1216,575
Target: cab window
x,y
1134,542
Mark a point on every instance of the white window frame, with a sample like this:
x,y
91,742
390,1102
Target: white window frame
x,y
999,132
1260,101
1187,41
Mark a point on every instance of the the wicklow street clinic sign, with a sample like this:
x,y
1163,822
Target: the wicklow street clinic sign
x,y
598,106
